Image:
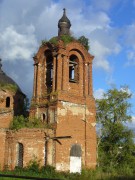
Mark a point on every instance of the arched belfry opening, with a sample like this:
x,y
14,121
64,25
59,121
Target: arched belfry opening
x,y
73,69
49,70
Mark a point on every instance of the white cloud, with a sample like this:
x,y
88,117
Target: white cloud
x,y
133,119
126,89
130,39
103,44
100,52
98,94
110,80
129,35
130,57
131,124
17,46
85,24
105,4
47,21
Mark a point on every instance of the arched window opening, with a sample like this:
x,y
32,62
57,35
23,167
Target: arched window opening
x,y
20,151
73,69
49,70
8,102
43,117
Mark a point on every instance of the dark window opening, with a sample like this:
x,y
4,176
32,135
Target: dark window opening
x,y
49,70
76,150
20,155
8,102
73,69
43,117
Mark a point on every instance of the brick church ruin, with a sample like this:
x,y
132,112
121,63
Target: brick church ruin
x,y
62,99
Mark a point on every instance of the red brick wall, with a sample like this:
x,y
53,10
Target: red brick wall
x,y
75,120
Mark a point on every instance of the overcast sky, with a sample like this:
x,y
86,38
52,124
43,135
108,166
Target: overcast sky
x,y
109,25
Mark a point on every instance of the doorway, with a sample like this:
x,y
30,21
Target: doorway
x,y
75,159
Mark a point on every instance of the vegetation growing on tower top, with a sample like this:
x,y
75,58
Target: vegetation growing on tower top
x,y
67,39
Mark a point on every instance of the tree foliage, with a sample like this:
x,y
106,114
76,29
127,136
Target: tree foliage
x,y
115,143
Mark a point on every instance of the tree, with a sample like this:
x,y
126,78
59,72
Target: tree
x,y
115,143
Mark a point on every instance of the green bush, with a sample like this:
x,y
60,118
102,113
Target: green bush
x,y
43,42
48,168
84,41
67,39
34,165
54,40
23,122
19,122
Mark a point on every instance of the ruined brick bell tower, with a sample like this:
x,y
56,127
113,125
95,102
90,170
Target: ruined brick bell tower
x,y
63,99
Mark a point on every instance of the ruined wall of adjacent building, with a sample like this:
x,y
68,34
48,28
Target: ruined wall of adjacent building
x,y
2,147
34,144
11,104
6,113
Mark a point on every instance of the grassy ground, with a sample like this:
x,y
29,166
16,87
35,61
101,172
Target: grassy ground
x,y
50,173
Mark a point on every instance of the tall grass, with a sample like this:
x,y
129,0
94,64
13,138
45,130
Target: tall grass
x,y
34,170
